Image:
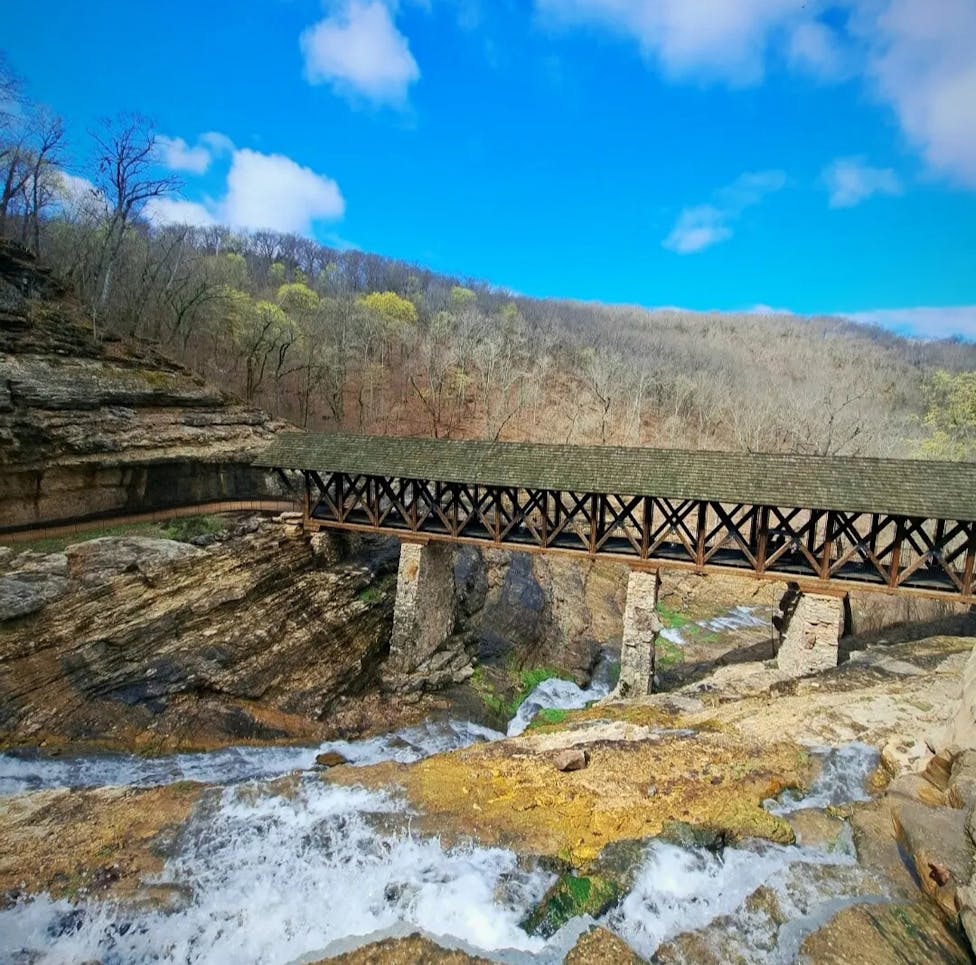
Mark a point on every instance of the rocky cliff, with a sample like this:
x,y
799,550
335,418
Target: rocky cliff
x,y
90,428
158,645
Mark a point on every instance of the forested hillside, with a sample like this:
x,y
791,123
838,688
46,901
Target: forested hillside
x,y
330,338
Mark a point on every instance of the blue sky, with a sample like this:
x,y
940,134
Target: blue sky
x,y
811,156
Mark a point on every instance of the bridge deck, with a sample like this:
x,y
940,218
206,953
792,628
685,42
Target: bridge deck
x,y
893,525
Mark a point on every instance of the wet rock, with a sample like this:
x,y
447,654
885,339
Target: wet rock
x,y
413,950
939,848
572,759
601,947
103,840
815,828
571,896
509,792
686,835
331,759
885,934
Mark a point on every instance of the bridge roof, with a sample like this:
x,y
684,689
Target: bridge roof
x,y
935,490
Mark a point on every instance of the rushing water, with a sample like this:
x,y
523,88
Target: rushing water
x,y
555,694
738,618
32,772
263,873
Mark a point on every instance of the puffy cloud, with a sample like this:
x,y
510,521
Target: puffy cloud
x,y
850,181
923,322
358,50
177,155
262,191
922,64
916,57
273,191
718,38
179,211
704,225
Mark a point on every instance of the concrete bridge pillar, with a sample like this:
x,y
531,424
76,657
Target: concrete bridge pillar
x,y
641,627
423,621
810,627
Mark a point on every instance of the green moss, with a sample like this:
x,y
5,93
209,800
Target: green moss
x,y
190,527
549,716
570,897
671,619
504,694
667,654
377,590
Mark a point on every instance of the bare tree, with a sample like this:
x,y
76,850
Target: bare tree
x,y
125,150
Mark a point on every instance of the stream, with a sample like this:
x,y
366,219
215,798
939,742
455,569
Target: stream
x,y
274,876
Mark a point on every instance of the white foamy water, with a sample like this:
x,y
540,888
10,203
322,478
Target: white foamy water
x,y
843,776
274,877
31,772
680,890
738,618
555,694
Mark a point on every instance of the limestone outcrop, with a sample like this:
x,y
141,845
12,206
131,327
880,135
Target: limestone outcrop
x,y
163,645
95,427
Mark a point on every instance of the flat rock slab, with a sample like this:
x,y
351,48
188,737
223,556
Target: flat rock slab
x,y
24,593
96,559
937,842
885,934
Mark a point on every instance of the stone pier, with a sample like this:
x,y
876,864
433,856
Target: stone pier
x,y
810,627
421,654
641,627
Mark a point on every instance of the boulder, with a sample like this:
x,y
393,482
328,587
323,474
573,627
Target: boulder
x,y
26,593
96,560
331,759
572,759
885,934
938,847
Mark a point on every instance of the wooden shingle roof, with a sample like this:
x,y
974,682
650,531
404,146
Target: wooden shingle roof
x,y
936,490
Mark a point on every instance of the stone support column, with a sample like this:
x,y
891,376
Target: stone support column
x,y
810,627
641,627
423,620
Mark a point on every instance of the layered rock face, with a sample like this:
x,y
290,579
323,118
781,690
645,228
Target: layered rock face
x,y
89,428
163,645
537,610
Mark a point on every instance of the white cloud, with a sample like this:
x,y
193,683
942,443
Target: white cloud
x,y
816,49
177,155
922,63
179,211
358,50
922,322
263,191
850,181
697,229
704,225
273,191
915,55
715,38
217,143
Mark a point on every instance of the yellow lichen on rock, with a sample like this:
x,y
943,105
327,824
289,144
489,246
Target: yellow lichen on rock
x,y
511,793
104,841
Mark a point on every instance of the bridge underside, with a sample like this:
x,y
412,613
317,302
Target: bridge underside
x,y
823,551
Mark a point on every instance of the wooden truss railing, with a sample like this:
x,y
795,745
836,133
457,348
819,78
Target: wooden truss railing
x,y
818,548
